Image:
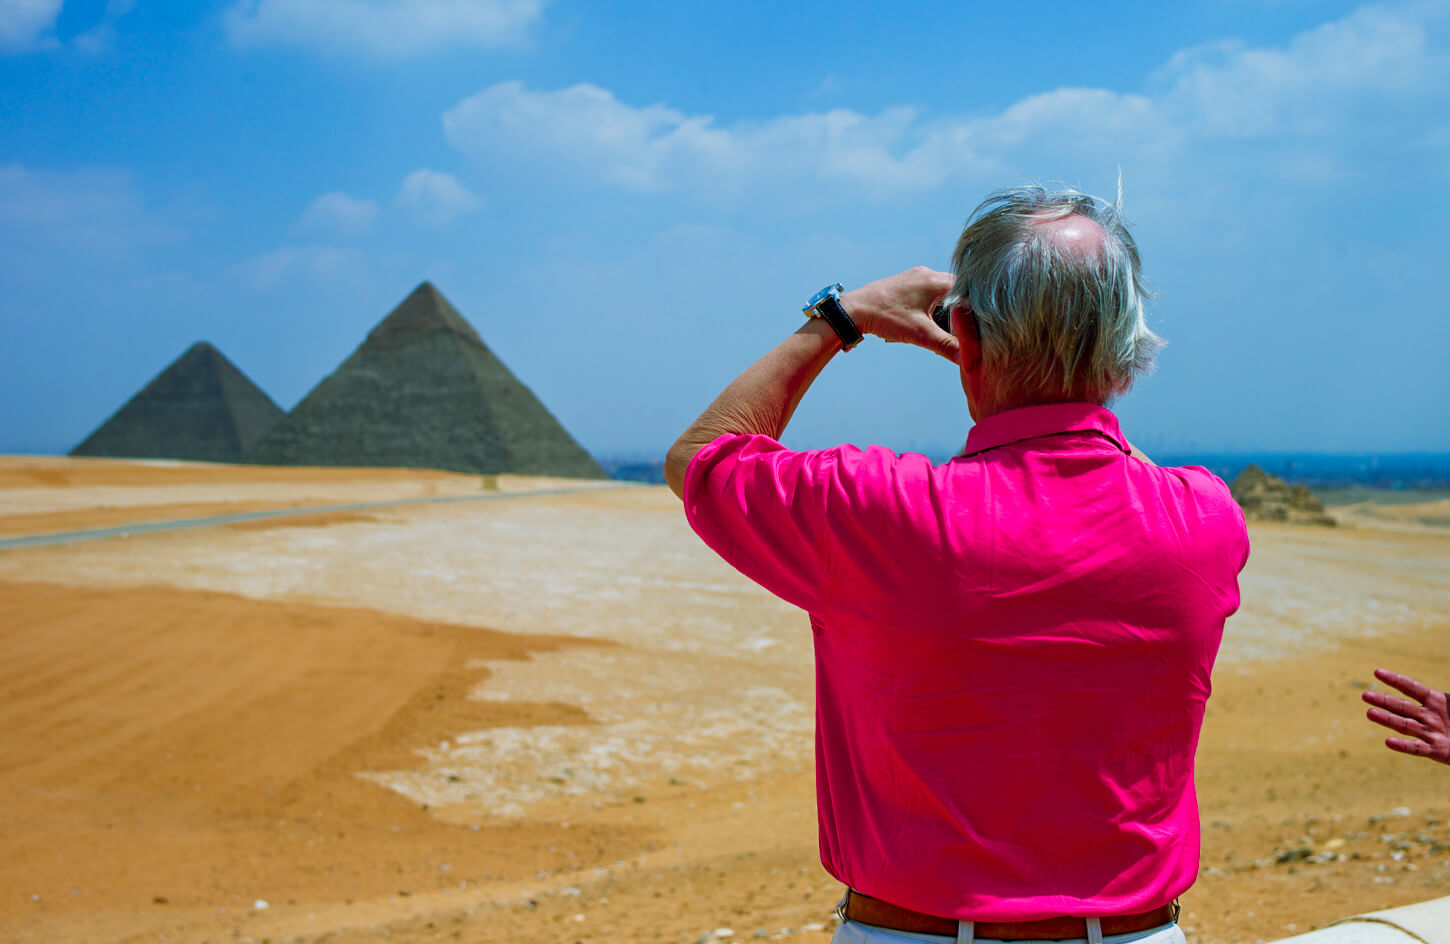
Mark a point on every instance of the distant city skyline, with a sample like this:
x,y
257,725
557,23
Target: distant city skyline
x,y
630,204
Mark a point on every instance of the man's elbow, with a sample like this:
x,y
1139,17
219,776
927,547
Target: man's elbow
x,y
677,461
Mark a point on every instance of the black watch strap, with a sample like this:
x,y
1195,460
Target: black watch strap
x,y
828,307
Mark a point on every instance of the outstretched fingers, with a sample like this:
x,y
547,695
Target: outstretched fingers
x,y
1425,721
1416,690
1391,703
1416,747
1396,722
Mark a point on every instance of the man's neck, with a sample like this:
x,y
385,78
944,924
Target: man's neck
x,y
991,405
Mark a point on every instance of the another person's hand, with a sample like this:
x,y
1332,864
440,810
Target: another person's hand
x,y
1426,723
898,308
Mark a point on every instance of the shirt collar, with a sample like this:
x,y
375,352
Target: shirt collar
x,y
1030,422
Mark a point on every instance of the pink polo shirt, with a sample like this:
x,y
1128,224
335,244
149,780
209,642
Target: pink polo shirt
x,y
1012,654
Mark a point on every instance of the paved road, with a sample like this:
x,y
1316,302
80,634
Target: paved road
x,y
181,524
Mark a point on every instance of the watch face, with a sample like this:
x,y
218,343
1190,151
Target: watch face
x,y
819,297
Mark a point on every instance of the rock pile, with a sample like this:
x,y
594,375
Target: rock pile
x,y
1266,497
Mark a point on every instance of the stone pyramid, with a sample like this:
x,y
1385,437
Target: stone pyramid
x,y
424,391
200,407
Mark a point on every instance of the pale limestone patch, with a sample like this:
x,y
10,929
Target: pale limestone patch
x,y
503,772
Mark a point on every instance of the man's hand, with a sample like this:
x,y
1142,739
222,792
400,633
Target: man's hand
x,y
1426,723
899,309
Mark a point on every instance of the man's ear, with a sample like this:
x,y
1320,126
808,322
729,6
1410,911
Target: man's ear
x,y
969,337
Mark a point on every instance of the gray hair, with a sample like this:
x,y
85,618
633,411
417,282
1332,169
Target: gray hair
x,y
1054,324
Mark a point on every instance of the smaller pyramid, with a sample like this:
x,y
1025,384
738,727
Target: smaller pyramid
x,y
1265,497
200,407
424,391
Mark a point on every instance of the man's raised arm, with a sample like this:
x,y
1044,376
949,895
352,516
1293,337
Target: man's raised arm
x,y
763,398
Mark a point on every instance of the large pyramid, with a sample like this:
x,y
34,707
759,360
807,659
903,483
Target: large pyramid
x,y
200,407
424,391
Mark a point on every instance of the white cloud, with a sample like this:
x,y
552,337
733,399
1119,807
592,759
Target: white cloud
x,y
1303,100
585,129
24,22
312,263
93,209
338,213
436,198
384,28
1312,85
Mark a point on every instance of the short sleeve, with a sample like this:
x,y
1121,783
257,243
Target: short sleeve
x,y
763,508
1218,507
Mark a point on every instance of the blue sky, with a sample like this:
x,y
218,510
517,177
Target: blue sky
x,y
630,201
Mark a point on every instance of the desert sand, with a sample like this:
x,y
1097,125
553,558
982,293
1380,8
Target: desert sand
x,y
558,717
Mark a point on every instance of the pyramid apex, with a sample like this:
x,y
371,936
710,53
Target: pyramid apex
x,y
425,311
425,291
424,391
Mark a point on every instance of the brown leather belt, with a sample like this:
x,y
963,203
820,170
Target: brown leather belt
x,y
867,910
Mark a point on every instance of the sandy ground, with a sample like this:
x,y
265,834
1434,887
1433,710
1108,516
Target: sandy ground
x,y
47,494
560,718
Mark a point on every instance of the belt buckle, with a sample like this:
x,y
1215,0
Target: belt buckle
x,y
1177,909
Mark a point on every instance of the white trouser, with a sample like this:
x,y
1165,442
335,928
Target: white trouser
x,y
850,932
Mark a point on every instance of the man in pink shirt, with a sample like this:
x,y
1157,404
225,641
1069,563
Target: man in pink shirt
x,y
1012,649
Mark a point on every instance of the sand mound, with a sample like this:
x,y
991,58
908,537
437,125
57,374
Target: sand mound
x,y
175,744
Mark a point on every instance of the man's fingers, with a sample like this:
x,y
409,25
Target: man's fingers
x,y
1381,717
937,282
1391,703
1425,720
947,345
1394,722
1416,690
941,342
1418,748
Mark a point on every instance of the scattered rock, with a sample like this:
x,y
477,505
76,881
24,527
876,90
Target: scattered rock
x,y
1266,497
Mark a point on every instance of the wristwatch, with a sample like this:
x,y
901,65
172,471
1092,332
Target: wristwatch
x,y
827,304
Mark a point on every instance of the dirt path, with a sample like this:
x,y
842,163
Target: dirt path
x,y
150,519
